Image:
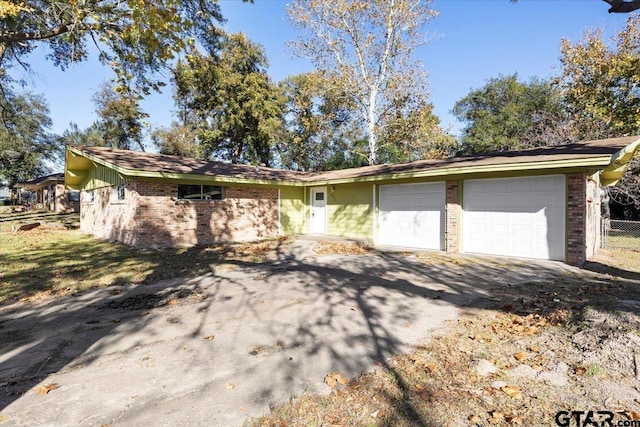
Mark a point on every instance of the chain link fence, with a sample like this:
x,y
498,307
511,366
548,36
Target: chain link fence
x,y
620,234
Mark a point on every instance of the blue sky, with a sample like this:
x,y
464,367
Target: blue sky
x,y
473,40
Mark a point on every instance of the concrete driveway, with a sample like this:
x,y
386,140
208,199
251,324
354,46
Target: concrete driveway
x,y
230,345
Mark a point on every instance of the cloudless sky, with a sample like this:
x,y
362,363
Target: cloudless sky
x,y
473,40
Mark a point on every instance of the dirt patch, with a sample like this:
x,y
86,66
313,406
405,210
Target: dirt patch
x,y
569,343
150,301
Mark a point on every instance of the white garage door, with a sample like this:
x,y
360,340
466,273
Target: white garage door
x,y
521,217
412,215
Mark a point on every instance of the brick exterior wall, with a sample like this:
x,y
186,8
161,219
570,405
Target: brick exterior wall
x,y
62,203
110,219
576,218
452,221
152,216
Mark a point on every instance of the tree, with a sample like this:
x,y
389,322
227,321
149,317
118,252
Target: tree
x,y
414,135
120,119
366,48
507,114
317,123
25,140
90,136
135,38
600,83
177,140
237,107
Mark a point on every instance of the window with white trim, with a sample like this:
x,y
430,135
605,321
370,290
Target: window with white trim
x,y
74,196
119,192
200,192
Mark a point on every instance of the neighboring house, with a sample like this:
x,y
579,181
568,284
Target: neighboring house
x,y
542,203
5,193
51,193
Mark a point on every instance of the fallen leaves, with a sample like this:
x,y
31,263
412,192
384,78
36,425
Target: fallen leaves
x,y
340,248
431,367
45,389
512,391
474,419
631,415
334,378
513,324
209,337
520,355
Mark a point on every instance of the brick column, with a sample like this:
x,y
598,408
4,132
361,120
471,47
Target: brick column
x,y
452,214
576,218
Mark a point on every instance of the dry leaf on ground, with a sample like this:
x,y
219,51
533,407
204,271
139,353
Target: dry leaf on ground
x,y
209,337
334,378
47,388
512,391
338,248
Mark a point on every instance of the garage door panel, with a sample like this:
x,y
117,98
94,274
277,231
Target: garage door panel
x,y
412,215
522,217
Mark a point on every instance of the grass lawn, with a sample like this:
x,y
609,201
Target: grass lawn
x,y
622,241
50,260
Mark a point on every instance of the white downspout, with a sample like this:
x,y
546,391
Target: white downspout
x,y
279,214
374,210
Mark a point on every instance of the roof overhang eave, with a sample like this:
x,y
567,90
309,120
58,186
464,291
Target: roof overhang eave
x,y
593,162
612,173
184,176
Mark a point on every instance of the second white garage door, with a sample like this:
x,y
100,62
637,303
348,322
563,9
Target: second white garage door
x,y
521,217
412,215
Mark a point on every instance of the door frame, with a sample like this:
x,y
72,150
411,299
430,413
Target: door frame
x,y
314,191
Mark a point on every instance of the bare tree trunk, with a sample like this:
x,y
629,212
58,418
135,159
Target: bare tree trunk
x,y
371,128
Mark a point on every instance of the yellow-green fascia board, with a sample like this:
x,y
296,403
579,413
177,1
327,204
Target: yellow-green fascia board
x,y
613,172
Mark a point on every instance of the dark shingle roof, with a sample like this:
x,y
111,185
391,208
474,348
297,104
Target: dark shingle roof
x,y
36,182
582,152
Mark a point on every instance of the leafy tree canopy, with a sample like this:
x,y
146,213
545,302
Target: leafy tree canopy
x,y
135,38
177,140
237,109
366,47
505,113
25,139
318,120
601,86
120,119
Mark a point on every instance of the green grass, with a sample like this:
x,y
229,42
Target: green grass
x,y
628,242
47,262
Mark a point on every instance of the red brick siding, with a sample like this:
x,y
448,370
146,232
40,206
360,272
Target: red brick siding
x,y
452,222
109,219
62,203
576,218
153,216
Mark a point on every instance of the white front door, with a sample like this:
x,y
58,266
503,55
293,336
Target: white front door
x,y
318,210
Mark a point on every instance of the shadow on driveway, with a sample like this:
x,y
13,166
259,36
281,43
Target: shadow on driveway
x,y
234,343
